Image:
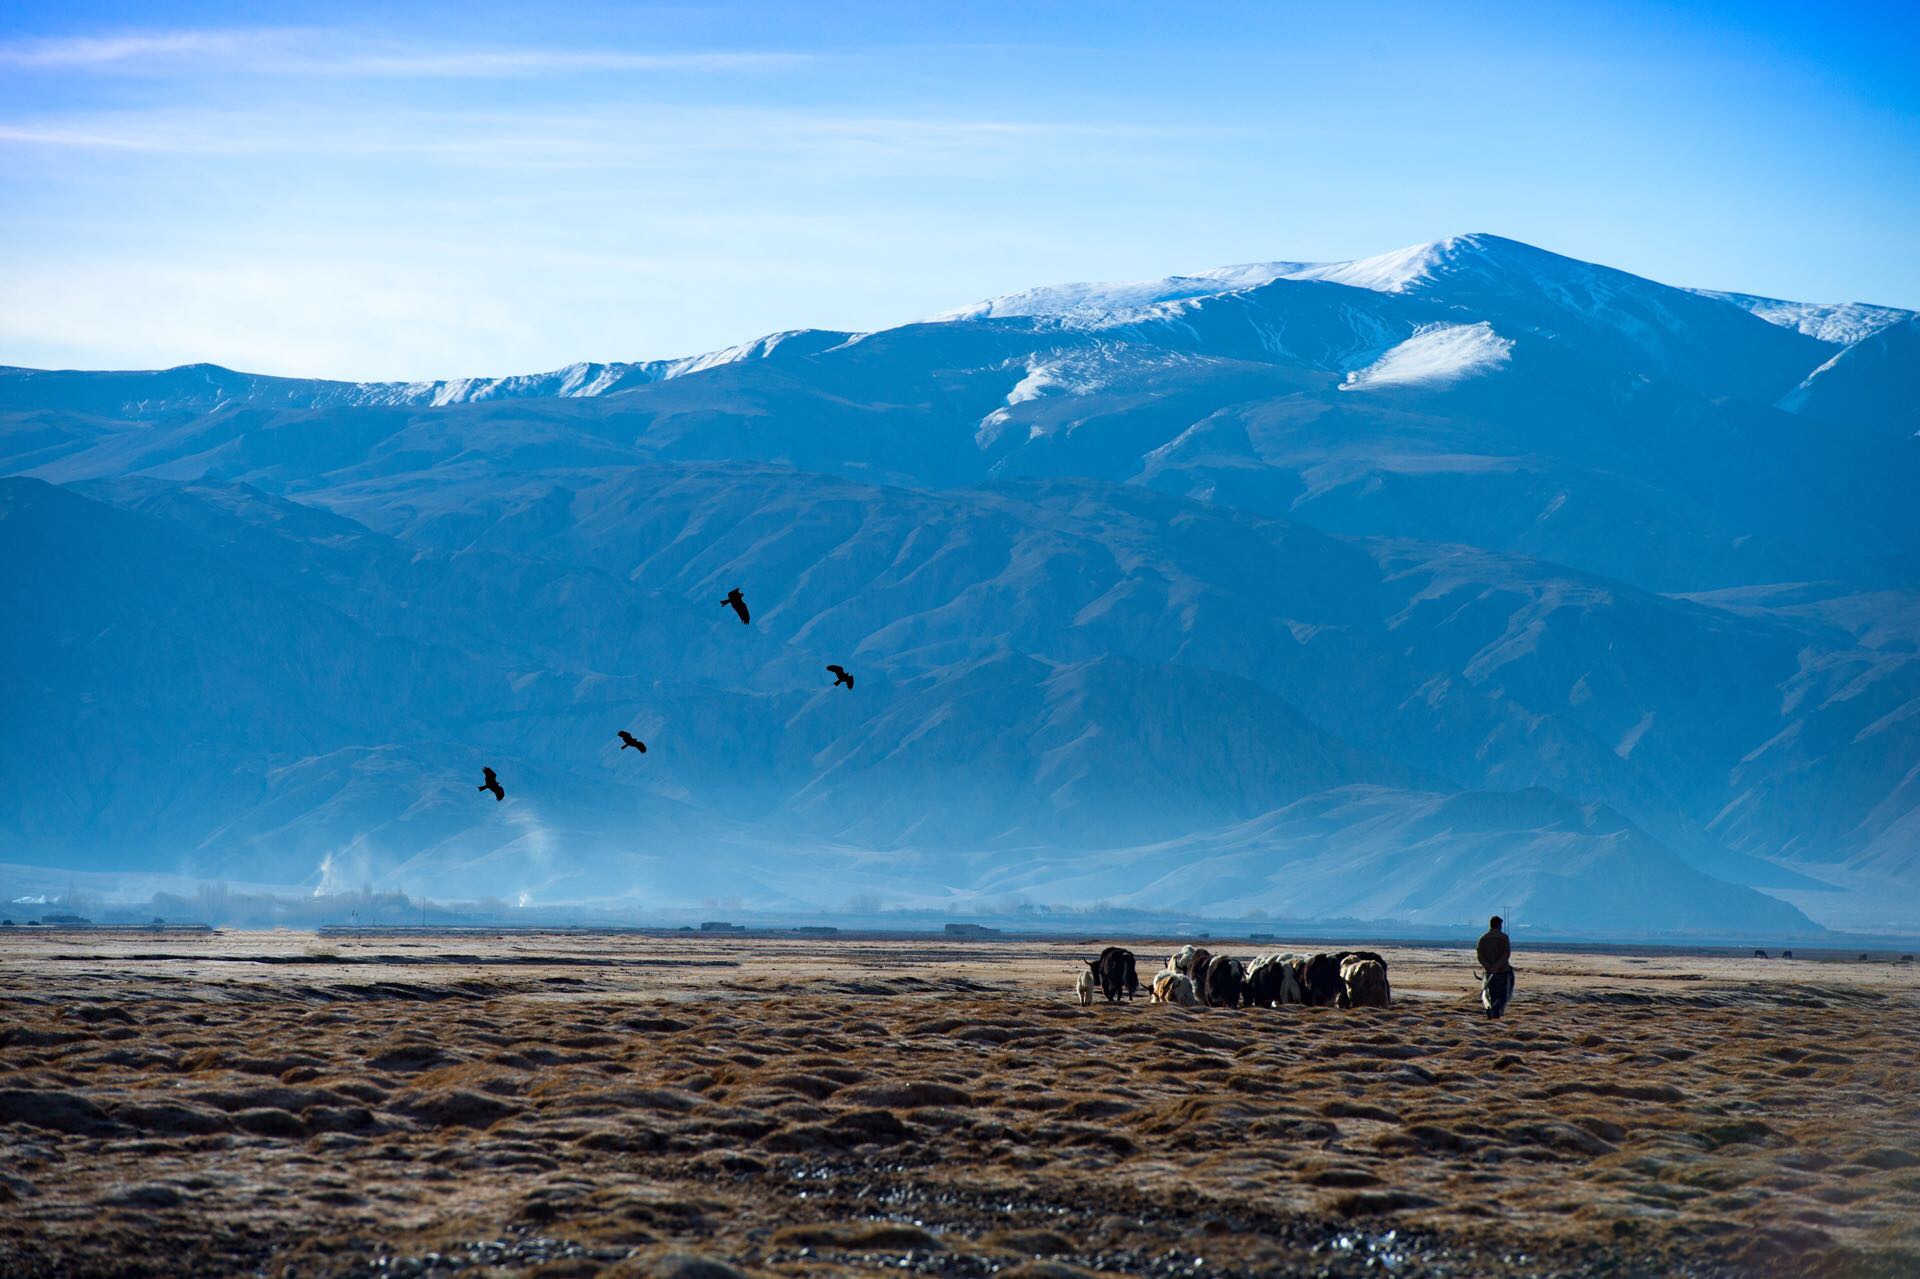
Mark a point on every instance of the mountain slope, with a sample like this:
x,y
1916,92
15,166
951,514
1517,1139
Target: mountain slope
x,y
1365,853
1873,385
1150,707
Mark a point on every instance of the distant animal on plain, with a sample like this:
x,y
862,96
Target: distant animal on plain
x,y
1759,954
628,739
1320,981
1116,972
840,676
739,604
1173,988
1786,954
1293,979
493,784
1272,980
1496,989
1906,959
1258,986
1225,976
1083,987
1128,976
1196,971
1863,956
1366,984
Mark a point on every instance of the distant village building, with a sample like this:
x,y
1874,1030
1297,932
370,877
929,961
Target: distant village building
x,y
720,926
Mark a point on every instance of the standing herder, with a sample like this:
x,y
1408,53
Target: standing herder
x,y
1495,953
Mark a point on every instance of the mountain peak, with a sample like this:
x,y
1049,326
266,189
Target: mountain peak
x,y
1399,271
1417,266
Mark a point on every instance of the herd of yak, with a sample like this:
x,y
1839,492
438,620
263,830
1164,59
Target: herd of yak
x,y
1195,978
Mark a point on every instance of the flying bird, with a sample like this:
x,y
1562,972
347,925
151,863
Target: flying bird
x,y
739,604
840,675
493,784
628,739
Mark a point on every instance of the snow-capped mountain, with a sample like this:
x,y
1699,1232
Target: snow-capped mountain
x,y
1374,589
206,388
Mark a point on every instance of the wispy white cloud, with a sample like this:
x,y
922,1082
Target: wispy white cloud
x,y
282,51
609,136
535,62
81,52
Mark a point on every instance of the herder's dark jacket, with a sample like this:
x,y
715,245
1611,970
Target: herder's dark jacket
x,y
1494,950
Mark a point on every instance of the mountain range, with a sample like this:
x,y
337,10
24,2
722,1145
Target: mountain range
x,y
1467,578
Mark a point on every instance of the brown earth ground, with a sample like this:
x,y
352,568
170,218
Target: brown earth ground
x,y
561,1105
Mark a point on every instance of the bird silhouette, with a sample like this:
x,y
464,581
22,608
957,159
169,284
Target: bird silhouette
x,y
493,784
840,675
628,739
739,604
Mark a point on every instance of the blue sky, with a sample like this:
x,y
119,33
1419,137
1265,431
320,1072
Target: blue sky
x,y
482,189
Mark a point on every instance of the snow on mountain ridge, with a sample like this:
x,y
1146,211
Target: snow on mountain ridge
x,y
1874,382
1397,271
1842,323
1434,356
146,394
592,379
1082,372
574,380
1483,259
1096,299
1103,301
788,341
1392,272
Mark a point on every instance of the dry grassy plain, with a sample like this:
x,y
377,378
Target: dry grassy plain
x,y
578,1105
